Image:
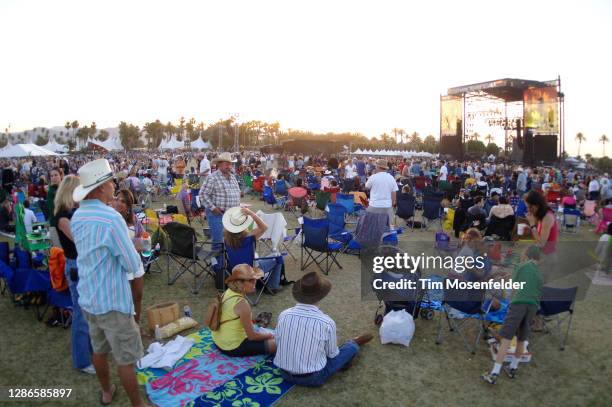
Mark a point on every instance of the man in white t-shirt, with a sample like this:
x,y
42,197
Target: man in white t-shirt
x,y
383,189
162,169
594,189
350,172
204,168
443,172
29,217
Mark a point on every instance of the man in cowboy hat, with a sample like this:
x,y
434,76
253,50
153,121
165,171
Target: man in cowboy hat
x,y
306,345
105,257
219,193
383,189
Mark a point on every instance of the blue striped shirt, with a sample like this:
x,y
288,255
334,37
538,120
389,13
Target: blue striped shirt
x,y
105,256
305,338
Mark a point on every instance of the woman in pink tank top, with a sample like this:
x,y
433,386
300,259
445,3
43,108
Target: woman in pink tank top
x,y
542,221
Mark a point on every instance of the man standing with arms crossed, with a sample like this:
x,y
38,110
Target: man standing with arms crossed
x,y
106,256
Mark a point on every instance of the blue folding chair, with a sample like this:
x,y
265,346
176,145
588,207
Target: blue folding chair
x,y
280,188
348,201
317,246
432,210
59,299
521,209
245,254
270,198
405,207
470,302
571,220
557,307
336,215
4,266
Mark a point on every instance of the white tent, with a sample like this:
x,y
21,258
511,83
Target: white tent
x,y
53,145
110,144
200,144
172,144
25,150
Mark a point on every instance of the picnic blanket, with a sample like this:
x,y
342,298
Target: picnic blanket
x,y
201,369
202,342
260,386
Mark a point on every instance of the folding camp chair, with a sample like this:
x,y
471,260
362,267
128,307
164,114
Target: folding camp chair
x,y
59,299
322,198
557,307
336,215
276,235
246,255
298,198
432,210
469,302
189,254
316,244
405,207
571,220
280,188
348,201
270,199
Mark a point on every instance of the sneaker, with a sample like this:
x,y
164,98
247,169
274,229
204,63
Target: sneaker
x,y
490,378
363,339
89,370
510,371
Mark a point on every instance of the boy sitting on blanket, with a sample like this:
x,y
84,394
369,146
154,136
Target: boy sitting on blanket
x,y
522,310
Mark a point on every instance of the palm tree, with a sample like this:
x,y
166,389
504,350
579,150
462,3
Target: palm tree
x,y
74,125
67,126
580,138
603,140
488,137
475,136
402,133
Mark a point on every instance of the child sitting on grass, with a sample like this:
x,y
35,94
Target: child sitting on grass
x,y
522,310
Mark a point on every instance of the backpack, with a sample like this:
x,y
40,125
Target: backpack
x,y
212,319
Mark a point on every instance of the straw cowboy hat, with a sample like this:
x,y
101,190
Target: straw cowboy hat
x,y
311,288
244,272
234,221
380,163
224,157
92,175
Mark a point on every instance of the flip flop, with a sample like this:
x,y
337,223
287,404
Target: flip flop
x,y
113,391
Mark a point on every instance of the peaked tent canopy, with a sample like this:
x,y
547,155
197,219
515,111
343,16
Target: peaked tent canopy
x,y
25,150
53,145
200,144
172,144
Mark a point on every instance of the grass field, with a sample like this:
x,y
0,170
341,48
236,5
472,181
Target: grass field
x,y
32,354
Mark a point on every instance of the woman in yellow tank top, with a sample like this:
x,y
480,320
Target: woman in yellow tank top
x,y
236,335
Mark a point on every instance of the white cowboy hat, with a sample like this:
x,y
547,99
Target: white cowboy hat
x,y
92,175
234,221
224,157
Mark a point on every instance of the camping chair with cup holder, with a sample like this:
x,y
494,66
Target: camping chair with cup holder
x,y
405,207
317,245
471,305
189,254
571,220
246,255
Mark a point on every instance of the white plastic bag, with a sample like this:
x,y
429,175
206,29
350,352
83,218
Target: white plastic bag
x,y
397,327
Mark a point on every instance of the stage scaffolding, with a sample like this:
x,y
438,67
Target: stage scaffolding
x,y
499,108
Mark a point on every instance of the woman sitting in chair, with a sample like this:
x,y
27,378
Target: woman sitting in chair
x,y
236,336
236,221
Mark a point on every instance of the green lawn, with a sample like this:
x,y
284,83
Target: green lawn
x,y
32,354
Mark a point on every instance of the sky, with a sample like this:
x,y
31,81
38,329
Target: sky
x,y
359,66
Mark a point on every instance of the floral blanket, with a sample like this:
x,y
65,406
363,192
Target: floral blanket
x,y
259,386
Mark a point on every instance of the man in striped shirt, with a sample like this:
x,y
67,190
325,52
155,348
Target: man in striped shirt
x,y
105,256
307,351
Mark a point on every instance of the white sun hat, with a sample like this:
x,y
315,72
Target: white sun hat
x,y
92,175
234,221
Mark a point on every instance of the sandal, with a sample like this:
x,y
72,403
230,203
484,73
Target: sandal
x,y
113,391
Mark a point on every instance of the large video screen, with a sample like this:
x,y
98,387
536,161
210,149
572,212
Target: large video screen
x,y
541,110
451,115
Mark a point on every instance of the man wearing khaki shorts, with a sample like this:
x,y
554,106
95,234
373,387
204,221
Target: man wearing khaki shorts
x,y
106,256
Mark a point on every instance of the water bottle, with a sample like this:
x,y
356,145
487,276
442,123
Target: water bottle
x,y
157,333
187,311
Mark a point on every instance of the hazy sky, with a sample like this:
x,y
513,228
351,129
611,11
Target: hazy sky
x,y
315,65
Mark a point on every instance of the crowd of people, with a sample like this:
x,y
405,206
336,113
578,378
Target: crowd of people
x,y
90,203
